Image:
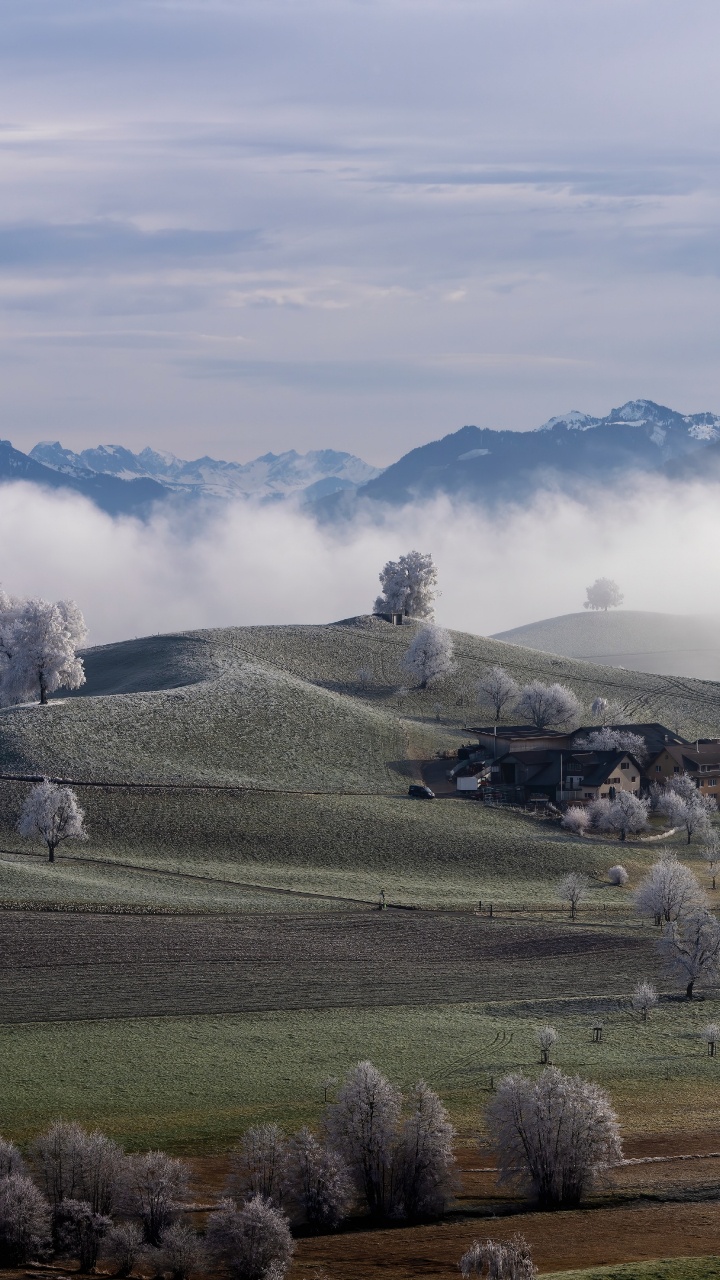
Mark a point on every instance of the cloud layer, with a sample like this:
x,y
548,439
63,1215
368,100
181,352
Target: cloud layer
x,y
248,564
222,221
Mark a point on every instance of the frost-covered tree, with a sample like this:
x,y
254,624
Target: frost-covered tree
x,y
668,891
73,1164
553,1135
11,1160
547,705
576,819
626,814
79,1232
499,1260
689,812
609,739
181,1252
644,999
618,875
52,814
362,1126
496,690
253,1241
690,947
156,1185
24,1221
573,888
603,594
425,1161
409,586
428,656
711,1036
258,1164
545,1038
319,1186
123,1246
38,648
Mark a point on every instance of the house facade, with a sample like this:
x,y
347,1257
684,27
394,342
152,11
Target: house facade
x,y
699,760
565,777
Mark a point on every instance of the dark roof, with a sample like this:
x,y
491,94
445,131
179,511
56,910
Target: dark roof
x,y
517,731
543,767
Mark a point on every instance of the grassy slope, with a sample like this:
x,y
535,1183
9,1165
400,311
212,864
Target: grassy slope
x,y
662,1269
657,642
281,708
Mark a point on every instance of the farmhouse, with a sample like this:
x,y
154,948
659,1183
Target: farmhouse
x,y
566,777
499,739
700,760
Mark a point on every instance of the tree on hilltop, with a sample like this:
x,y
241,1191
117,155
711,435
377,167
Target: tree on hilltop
x,y
409,586
603,594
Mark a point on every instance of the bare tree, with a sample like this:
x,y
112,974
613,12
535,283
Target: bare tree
x,y
425,1159
644,999
497,690
710,853
576,819
254,1241
668,890
690,947
573,889
10,1159
24,1221
181,1252
499,1260
711,1036
618,875
548,705
123,1245
429,655
52,814
362,1126
603,594
545,1038
73,1164
156,1186
554,1135
319,1183
409,586
258,1164
79,1232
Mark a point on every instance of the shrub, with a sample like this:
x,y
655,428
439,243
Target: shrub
x,y
618,875
252,1240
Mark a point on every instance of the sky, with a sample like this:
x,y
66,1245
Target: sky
x,y
239,226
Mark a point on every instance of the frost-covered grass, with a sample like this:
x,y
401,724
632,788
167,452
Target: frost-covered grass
x,y
659,1269
195,1082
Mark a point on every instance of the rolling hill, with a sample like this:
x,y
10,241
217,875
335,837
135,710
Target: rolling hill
x,y
661,643
222,768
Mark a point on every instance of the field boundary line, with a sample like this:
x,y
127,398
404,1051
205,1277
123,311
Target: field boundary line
x,y
194,786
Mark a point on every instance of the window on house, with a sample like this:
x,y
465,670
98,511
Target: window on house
x,y
676,769
625,766
712,782
588,795
633,778
658,768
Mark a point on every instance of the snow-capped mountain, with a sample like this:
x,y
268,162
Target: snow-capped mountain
x,y
569,452
310,475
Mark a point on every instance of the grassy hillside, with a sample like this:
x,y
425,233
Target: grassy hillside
x,y
315,761
663,643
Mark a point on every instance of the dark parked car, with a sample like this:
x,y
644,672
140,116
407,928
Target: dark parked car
x,y
419,792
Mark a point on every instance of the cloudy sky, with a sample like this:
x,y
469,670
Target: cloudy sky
x,y
232,226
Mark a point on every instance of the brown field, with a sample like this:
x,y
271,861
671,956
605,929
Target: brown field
x,y
73,966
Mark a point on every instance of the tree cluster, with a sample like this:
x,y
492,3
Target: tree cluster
x,y
543,705
38,648
690,942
